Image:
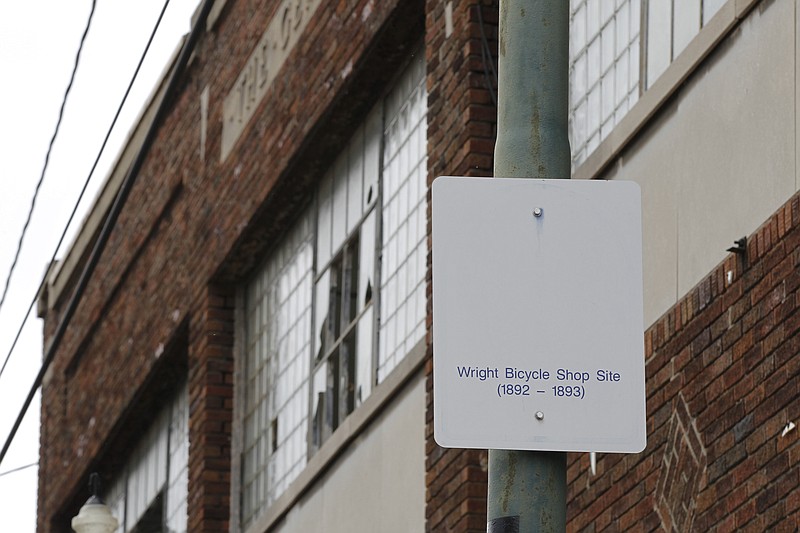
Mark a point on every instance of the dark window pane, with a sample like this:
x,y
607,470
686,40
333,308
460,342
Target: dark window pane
x,y
350,283
347,371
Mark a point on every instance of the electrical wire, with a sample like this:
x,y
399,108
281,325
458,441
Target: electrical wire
x,y
47,155
489,72
17,469
113,215
86,182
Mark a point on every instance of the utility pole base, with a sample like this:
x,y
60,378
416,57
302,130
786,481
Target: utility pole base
x,y
527,492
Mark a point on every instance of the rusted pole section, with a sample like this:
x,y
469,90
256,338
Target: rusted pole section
x,y
527,490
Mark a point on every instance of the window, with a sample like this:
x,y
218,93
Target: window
x,y
671,25
341,299
150,494
278,344
605,43
604,69
403,243
345,281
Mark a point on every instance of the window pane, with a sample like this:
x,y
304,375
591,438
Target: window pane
x,y
621,81
324,334
347,376
659,47
636,16
324,219
404,191
686,24
607,45
318,422
594,142
374,195
366,271
350,269
592,19
623,29
577,31
621,111
404,199
277,386
607,9
593,63
710,8
149,491
611,35
593,111
633,64
331,394
339,202
608,97
355,177
578,81
579,125
364,351
372,155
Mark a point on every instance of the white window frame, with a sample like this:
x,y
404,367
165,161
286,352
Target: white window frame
x,y
605,80
363,395
156,475
586,137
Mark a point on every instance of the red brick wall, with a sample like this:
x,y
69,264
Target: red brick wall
x,y
723,366
461,134
722,382
211,411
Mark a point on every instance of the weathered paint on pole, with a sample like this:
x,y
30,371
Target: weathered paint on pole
x,y
527,490
533,90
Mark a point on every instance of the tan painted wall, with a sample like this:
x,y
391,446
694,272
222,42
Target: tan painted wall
x,y
378,484
719,158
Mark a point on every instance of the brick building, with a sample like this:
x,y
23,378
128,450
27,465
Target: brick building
x,y
252,349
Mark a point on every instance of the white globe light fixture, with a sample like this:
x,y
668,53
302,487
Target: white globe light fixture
x,y
94,516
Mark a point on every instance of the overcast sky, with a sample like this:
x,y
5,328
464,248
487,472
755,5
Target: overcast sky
x,y
38,43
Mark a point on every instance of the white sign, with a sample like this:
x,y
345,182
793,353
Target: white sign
x,y
538,336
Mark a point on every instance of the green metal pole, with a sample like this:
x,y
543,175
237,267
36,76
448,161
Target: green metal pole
x,y
527,490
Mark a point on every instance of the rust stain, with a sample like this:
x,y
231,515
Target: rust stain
x,y
503,27
508,485
536,133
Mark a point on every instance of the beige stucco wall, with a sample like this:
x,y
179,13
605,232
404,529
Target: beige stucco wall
x,y
719,157
378,484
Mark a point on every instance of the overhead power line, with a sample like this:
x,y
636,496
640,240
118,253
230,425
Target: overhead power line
x,y
47,155
86,183
489,72
113,215
17,469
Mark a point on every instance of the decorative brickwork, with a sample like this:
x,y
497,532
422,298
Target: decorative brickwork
x,y
682,467
722,382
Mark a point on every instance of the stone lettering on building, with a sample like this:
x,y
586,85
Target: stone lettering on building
x,y
275,45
